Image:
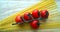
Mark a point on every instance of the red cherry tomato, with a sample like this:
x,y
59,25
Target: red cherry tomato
x,y
44,14
36,13
35,24
27,16
18,19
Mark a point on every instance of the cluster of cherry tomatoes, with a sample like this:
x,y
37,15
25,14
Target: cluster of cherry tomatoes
x,y
32,18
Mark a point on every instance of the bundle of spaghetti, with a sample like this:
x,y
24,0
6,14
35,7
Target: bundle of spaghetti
x,y
52,21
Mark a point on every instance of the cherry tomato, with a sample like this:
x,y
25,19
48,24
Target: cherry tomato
x,y
18,19
35,24
44,14
27,16
36,13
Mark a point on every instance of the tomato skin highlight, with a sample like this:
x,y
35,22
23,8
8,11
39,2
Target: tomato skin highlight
x,y
18,19
35,24
26,16
36,13
44,14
